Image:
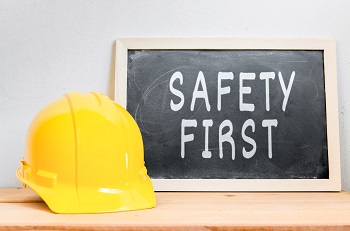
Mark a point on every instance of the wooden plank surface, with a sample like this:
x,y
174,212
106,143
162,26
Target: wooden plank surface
x,y
23,209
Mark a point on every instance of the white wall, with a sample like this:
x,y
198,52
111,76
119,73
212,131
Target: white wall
x,y
48,48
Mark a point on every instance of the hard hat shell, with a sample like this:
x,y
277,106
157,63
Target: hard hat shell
x,y
84,154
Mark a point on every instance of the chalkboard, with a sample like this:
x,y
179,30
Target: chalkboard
x,y
230,114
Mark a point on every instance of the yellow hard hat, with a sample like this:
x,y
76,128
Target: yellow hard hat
x,y
84,154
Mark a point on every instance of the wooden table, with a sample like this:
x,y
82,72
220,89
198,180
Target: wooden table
x,y
23,209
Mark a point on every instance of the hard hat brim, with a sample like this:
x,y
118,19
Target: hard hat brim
x,y
54,199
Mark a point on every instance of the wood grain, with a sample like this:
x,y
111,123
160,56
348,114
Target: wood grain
x,y
22,209
18,195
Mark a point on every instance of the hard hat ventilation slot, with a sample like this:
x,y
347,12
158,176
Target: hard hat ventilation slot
x,y
47,179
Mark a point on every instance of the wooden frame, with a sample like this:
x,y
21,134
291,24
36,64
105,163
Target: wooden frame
x,y
327,45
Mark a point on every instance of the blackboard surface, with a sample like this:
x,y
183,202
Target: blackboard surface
x,y
294,118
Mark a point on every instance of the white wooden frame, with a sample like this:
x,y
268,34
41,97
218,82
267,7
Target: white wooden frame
x,y
327,45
